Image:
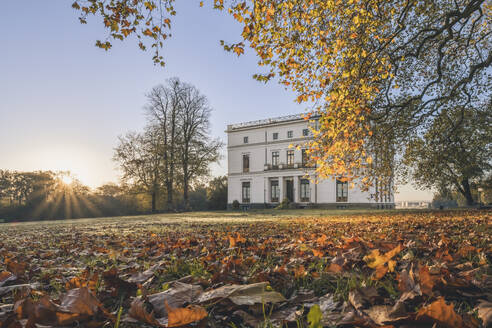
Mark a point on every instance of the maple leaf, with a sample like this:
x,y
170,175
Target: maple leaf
x,y
377,261
238,50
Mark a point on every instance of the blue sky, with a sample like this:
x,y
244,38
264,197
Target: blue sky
x,y
63,102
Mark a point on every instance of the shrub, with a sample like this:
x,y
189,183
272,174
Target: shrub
x,y
235,204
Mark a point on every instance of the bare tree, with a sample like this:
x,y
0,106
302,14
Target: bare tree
x,y
163,108
196,149
182,116
139,156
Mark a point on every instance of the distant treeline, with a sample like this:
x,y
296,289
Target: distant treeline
x,y
56,195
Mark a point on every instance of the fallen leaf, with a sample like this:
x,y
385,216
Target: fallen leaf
x,y
177,295
17,268
361,297
6,276
377,261
441,313
383,314
243,294
314,317
138,311
427,281
484,310
182,316
334,268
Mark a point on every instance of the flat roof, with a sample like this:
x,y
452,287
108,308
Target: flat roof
x,y
268,121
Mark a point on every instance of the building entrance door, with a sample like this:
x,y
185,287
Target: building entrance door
x,y
289,190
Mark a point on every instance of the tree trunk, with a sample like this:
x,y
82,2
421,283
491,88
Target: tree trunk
x,y
467,192
185,192
154,200
169,188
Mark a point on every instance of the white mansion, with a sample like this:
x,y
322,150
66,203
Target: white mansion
x,y
263,170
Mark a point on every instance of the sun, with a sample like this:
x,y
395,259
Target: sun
x,y
68,180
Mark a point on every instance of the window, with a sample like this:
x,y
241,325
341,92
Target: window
x,y
290,134
246,192
305,158
290,157
245,163
305,132
275,191
305,190
275,157
275,135
342,191
245,139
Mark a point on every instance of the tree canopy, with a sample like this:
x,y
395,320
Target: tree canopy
x,y
375,71
455,153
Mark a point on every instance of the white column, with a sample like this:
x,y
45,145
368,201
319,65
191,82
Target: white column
x,y
281,188
268,191
297,190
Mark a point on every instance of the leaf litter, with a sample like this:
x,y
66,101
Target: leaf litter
x,y
413,269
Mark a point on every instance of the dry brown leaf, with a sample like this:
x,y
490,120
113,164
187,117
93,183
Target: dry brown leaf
x,y
441,313
16,268
427,281
334,268
182,316
6,276
243,294
484,310
86,279
177,295
138,311
383,314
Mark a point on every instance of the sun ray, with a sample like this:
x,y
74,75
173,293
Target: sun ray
x,y
90,206
56,204
68,205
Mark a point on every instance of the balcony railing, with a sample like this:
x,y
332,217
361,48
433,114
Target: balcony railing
x,y
270,167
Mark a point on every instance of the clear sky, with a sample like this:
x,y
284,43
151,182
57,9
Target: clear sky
x,y
63,102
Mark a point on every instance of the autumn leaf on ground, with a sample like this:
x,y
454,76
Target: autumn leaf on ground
x,y
182,316
233,240
138,311
441,313
314,317
427,281
243,294
334,268
177,295
6,276
377,261
17,268
484,310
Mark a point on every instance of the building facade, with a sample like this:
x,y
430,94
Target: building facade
x,y
263,170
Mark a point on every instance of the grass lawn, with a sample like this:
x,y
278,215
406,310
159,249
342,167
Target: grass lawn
x,y
291,268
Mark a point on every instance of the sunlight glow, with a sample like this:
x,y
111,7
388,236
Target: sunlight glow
x,y
67,179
